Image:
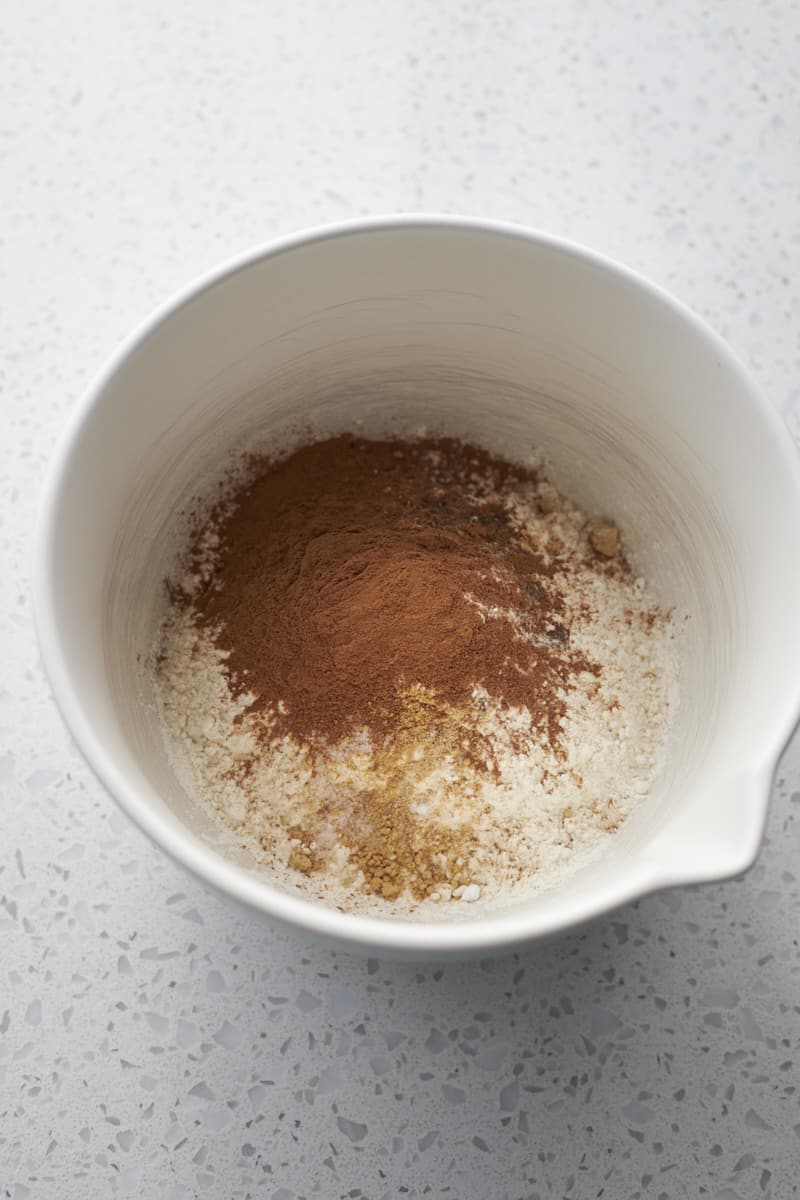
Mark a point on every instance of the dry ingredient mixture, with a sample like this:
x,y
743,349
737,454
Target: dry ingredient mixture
x,y
407,673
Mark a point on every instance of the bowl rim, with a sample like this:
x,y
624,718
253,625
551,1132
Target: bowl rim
x,y
401,937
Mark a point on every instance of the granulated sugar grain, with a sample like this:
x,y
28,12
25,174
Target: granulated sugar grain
x,y
478,806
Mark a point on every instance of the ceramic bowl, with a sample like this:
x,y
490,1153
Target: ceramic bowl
x,y
486,331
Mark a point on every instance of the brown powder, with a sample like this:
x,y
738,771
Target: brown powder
x,y
354,570
394,846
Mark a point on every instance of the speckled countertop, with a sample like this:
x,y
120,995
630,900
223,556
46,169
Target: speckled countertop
x,y
155,1041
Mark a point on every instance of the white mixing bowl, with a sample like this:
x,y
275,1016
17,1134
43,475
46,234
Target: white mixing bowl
x,y
490,332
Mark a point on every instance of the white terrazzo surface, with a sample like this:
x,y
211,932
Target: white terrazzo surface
x,y
154,1040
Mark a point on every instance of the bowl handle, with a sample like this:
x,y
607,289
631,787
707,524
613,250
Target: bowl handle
x,y
717,836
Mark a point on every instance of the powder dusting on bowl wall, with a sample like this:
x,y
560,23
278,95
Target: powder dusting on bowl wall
x,y
409,330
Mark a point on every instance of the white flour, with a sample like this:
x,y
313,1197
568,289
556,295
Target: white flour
x,y
534,820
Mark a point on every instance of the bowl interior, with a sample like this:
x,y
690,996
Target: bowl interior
x,y
519,344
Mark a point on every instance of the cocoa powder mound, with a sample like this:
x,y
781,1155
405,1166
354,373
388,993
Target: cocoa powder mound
x,y
354,570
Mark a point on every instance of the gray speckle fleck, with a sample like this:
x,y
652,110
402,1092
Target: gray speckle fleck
x,y
755,1121
228,1035
353,1130
436,1042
